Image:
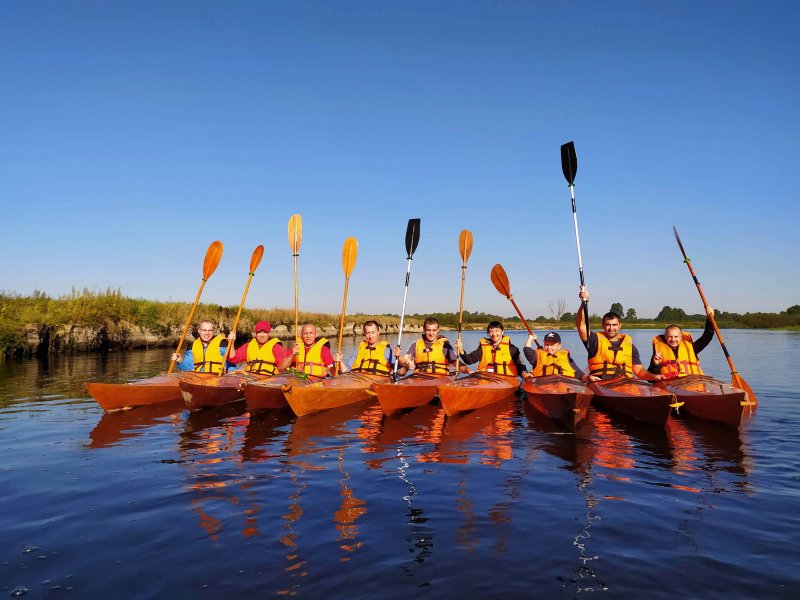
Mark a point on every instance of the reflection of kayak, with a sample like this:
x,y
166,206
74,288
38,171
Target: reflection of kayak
x,y
635,398
410,392
708,398
216,391
118,425
161,388
329,393
564,399
475,391
268,393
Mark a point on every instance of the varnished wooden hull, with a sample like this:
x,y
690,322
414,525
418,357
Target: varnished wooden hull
x,y
475,391
410,392
635,398
330,393
216,391
563,399
161,388
707,398
268,394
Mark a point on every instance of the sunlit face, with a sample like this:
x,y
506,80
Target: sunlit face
x,y
206,331
431,332
611,328
370,335
673,337
308,334
495,334
262,337
552,347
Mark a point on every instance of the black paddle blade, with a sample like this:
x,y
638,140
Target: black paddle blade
x,y
569,162
412,236
678,239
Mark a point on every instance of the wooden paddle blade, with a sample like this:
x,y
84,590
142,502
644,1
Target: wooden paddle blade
x,y
569,162
295,233
349,255
738,382
213,254
255,260
465,244
500,280
412,236
678,239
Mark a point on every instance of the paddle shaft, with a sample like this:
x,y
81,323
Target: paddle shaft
x,y
461,311
236,320
341,324
402,315
585,305
186,327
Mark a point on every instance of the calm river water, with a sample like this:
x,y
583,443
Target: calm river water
x,y
155,502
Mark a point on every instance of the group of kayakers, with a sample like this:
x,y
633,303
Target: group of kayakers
x,y
610,353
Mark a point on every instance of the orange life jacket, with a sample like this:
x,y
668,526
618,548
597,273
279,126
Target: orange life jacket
x,y
552,364
310,361
210,356
372,360
685,361
430,360
497,360
261,359
607,363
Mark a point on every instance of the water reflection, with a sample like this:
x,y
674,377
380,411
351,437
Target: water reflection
x,y
114,427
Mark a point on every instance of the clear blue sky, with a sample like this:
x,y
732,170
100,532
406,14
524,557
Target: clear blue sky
x,y
132,134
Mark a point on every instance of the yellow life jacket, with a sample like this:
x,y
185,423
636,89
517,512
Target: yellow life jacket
x,y
210,359
261,359
311,362
497,360
430,360
685,361
608,364
552,364
372,360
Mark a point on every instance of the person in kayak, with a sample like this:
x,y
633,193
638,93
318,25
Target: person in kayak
x,y
496,354
206,352
432,353
262,354
552,359
675,353
313,356
371,356
611,353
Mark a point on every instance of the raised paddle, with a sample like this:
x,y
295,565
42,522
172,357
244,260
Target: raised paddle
x,y
349,255
736,379
295,237
569,165
500,281
213,254
465,249
255,260
412,240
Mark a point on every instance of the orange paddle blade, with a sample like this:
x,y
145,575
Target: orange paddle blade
x,y
295,233
349,255
255,260
500,280
465,244
213,254
737,381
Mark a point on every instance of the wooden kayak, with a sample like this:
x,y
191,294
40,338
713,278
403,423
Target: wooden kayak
x,y
347,388
563,399
268,394
216,391
475,391
409,392
708,398
161,388
635,398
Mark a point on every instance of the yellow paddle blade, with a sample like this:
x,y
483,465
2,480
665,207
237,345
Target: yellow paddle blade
x,y
465,244
255,260
500,280
213,254
295,233
737,381
349,255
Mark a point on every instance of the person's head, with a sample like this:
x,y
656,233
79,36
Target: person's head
x,y
495,331
673,336
431,327
206,331
308,333
552,342
611,324
371,332
262,331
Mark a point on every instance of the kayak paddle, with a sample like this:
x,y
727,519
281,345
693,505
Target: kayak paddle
x,y
465,249
412,240
295,237
500,281
349,255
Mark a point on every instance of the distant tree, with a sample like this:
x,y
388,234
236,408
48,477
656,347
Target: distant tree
x,y
631,314
671,314
541,318
617,308
557,308
567,317
793,310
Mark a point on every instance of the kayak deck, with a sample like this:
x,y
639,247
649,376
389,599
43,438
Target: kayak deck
x,y
410,392
216,391
635,398
475,391
563,399
707,398
347,388
268,394
161,388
